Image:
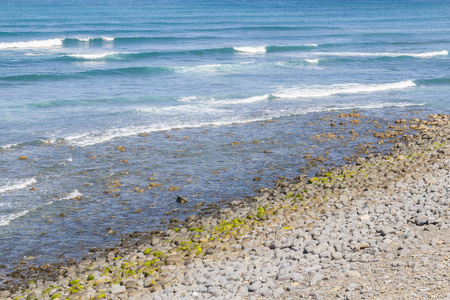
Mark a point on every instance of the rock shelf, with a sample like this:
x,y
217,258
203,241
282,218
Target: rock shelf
x,y
375,229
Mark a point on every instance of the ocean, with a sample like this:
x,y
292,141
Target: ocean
x,y
197,98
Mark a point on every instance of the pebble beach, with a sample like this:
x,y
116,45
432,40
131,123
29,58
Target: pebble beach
x,y
376,228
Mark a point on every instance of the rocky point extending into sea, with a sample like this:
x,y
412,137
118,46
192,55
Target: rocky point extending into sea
x,y
377,228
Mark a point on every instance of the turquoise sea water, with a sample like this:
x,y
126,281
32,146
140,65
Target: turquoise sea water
x,y
177,82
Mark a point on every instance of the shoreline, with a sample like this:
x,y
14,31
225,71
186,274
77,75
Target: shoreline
x,y
238,233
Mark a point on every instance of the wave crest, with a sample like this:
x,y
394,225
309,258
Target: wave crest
x,y
56,42
93,56
251,50
18,185
31,44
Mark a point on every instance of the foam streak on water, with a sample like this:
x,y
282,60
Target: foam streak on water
x,y
350,88
5,220
319,91
17,185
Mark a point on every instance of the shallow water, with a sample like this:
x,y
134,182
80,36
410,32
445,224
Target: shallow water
x,y
177,85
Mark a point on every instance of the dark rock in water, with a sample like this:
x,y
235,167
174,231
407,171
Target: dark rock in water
x,y
62,215
257,179
174,220
182,200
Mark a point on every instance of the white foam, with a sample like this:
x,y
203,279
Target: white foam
x,y
317,91
214,109
182,109
97,137
214,68
32,44
251,50
187,99
247,100
329,90
49,141
33,54
5,220
311,45
9,146
429,54
88,39
312,61
71,195
17,185
92,56
384,54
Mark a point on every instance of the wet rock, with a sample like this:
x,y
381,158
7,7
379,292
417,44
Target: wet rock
x,y
182,200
